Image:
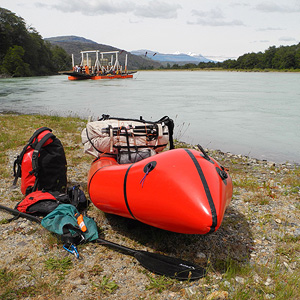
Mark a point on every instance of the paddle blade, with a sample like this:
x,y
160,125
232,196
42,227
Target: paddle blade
x,y
169,266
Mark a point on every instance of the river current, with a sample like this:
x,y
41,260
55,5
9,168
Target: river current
x,y
255,114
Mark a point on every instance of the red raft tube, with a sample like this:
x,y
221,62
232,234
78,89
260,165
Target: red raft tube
x,y
179,190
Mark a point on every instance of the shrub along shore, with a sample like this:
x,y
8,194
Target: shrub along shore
x,y
254,255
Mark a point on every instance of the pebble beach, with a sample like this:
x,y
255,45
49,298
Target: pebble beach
x,y
253,255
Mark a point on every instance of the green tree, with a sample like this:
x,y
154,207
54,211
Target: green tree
x,y
61,59
297,57
12,31
268,57
230,64
248,61
39,55
288,59
13,62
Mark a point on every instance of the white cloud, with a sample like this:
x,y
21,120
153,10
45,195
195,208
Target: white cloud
x,y
214,17
270,29
287,39
93,7
216,23
157,9
153,9
271,7
213,13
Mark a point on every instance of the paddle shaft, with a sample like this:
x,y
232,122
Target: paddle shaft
x,y
17,213
115,246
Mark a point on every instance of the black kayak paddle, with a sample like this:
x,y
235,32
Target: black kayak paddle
x,y
157,263
160,264
17,213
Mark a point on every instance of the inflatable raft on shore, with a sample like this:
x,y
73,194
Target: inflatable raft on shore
x,y
180,190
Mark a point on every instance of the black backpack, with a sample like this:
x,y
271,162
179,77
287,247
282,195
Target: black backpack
x,y
42,164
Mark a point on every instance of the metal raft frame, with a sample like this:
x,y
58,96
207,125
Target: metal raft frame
x,y
101,63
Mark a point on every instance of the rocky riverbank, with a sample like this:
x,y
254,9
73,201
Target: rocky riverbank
x,y
254,255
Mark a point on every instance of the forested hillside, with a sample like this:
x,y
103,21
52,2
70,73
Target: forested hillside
x,y
274,58
283,57
23,52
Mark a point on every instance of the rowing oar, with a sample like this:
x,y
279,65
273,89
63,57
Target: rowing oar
x,y
154,262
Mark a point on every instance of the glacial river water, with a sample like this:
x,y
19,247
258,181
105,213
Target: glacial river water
x,y
255,114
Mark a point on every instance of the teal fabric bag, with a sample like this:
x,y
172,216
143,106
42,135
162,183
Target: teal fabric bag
x,y
63,222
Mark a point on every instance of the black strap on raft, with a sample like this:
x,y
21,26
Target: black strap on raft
x,y
206,189
139,147
18,160
127,140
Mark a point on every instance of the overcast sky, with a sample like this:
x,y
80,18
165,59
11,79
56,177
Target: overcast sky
x,y
213,28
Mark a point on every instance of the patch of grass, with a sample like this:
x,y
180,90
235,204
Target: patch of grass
x,y
289,246
30,291
246,182
106,285
19,128
17,197
96,270
4,221
10,290
292,179
178,144
5,276
50,240
75,160
159,283
19,259
231,268
257,198
56,264
290,239
266,219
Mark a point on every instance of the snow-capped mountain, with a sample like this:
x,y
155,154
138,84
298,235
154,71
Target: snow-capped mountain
x,y
177,57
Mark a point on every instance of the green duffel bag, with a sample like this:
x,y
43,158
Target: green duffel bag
x,y
63,222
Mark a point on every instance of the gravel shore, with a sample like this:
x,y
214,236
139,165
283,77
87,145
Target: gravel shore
x,y
259,236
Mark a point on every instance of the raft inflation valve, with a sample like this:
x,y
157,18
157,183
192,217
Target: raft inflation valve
x,y
147,169
150,166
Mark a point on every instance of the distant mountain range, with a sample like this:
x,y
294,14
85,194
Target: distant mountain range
x,y
178,58
70,38
136,59
75,44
